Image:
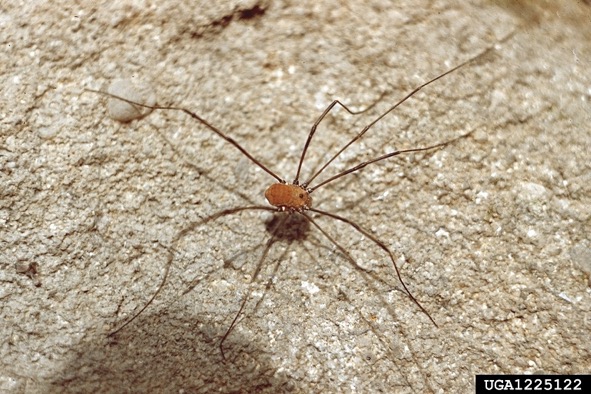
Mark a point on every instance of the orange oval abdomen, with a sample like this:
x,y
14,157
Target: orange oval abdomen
x,y
288,196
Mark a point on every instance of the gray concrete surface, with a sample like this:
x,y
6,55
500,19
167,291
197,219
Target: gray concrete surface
x,y
492,233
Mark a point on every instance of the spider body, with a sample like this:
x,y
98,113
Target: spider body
x,y
288,197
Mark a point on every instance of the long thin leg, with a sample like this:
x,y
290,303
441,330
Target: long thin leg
x,y
315,125
375,240
203,122
384,157
171,251
270,243
409,95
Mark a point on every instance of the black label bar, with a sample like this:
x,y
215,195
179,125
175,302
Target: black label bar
x,y
563,384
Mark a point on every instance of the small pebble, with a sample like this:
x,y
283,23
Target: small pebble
x,y
126,112
580,254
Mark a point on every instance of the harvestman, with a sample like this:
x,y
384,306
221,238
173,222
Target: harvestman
x,y
295,197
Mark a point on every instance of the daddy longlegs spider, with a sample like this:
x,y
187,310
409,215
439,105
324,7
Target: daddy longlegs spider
x,y
294,198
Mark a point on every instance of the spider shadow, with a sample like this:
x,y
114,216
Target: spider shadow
x,y
171,352
282,228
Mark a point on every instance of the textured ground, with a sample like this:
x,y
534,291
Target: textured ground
x,y
491,233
